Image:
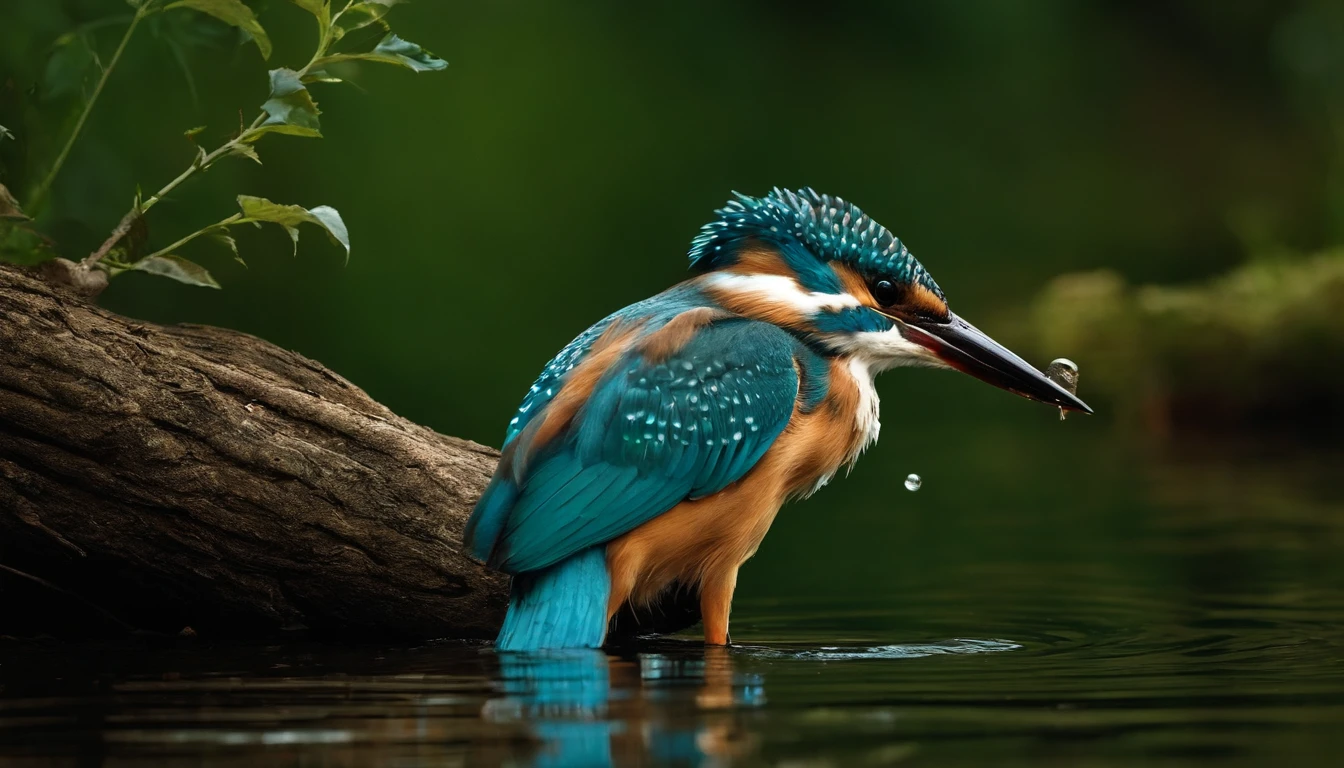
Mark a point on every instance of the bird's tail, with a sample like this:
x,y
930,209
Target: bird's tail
x,y
563,606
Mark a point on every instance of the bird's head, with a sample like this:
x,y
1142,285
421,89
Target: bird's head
x,y
822,268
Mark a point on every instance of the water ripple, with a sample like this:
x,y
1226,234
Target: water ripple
x,y
955,647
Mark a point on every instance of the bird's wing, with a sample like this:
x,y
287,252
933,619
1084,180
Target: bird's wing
x,y
654,432
552,378
654,311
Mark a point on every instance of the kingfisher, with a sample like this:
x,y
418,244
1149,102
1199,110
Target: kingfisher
x,y
657,447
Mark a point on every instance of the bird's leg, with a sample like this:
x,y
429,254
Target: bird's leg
x,y
716,602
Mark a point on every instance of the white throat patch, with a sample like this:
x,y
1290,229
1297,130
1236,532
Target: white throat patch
x,y
866,421
880,350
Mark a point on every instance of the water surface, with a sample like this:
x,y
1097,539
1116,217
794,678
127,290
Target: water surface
x,y
1141,605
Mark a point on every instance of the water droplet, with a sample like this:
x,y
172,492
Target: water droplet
x,y
1065,364
1063,372
912,482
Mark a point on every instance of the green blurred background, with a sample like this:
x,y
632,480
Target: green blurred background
x,y
559,168
1153,188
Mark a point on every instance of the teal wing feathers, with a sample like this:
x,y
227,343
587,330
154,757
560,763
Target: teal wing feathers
x,y
654,311
652,434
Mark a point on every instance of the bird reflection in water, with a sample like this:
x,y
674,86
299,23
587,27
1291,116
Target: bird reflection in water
x,y
586,708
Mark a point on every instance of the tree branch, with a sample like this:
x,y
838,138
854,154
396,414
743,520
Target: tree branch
x,y
193,476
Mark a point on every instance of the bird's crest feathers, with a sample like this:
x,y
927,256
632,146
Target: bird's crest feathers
x,y
828,226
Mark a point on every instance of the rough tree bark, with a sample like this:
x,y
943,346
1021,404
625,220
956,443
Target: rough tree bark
x,y
194,476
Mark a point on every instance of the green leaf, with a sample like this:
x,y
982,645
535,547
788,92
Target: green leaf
x,y
294,236
223,237
257,209
409,55
393,50
261,209
331,221
177,268
230,12
5,134
291,108
246,150
320,76
360,15
191,134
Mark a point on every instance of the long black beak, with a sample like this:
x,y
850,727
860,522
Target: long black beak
x,y
967,348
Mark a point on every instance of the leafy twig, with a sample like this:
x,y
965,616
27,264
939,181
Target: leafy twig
x,y
252,210
234,219
120,231
290,109
240,144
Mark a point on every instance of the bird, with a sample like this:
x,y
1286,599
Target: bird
x,y
657,447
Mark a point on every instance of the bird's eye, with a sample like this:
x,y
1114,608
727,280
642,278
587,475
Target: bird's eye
x,y
886,293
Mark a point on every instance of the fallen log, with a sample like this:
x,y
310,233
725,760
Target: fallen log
x,y
189,476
